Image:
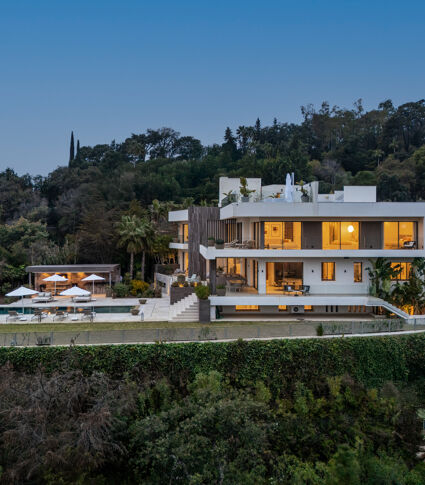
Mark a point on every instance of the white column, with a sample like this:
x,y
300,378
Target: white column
x,y
212,313
262,277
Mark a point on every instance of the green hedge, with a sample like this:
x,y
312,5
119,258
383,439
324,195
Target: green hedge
x,y
371,360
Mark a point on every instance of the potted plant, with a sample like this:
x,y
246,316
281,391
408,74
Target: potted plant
x,y
219,244
305,197
221,290
203,292
175,284
243,189
211,241
181,278
229,198
186,284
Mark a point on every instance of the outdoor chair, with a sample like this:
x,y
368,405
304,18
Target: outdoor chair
x,y
43,297
409,244
82,299
231,244
88,315
305,289
13,315
61,315
193,279
38,314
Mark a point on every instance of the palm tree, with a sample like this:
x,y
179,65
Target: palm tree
x,y
129,232
411,294
380,274
145,234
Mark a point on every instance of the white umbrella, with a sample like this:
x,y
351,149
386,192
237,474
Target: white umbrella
x,y
22,291
288,188
74,291
55,277
93,278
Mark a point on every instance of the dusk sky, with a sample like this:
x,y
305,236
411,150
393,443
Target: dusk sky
x,y
106,69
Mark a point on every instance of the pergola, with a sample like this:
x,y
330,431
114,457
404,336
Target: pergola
x,y
75,273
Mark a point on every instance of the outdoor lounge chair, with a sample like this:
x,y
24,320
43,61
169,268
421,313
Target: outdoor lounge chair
x,y
43,297
231,244
82,299
88,314
13,315
38,314
60,315
193,279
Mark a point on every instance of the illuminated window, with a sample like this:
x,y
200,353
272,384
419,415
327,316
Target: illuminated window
x,y
404,273
283,308
399,235
247,308
282,235
185,232
308,308
358,273
340,235
328,271
186,261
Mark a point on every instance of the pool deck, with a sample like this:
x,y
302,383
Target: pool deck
x,y
155,309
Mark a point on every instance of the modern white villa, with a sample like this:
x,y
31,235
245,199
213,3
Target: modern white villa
x,y
288,249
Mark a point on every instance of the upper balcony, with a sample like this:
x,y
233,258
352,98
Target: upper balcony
x,y
180,242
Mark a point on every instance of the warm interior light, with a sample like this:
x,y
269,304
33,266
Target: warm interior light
x,y
350,228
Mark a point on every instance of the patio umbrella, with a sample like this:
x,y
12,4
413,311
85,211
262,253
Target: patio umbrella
x,y
93,278
55,277
74,291
288,188
22,291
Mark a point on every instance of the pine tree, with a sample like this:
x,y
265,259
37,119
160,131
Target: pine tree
x,y
71,148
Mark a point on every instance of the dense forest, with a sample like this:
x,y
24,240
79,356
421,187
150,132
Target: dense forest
x,y
90,210
279,412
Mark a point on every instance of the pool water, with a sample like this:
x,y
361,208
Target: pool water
x,y
70,309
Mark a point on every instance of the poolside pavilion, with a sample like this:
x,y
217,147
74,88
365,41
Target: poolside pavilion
x,y
74,274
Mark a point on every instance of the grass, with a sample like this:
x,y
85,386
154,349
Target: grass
x,y
99,326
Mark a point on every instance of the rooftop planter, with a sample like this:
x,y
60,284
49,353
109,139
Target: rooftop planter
x,y
244,191
219,244
211,241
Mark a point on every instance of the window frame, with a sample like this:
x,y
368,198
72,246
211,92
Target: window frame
x,y
333,272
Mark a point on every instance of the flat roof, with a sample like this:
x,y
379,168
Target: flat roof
x,y
73,268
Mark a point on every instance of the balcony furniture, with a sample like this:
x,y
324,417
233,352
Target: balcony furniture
x,y
60,315
231,244
43,297
234,285
305,289
409,244
194,279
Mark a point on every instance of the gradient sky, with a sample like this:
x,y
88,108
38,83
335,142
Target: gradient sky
x,y
106,69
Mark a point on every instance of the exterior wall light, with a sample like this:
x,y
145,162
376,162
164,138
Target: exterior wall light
x,y
350,228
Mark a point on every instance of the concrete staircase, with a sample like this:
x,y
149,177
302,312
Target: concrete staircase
x,y
395,310
185,310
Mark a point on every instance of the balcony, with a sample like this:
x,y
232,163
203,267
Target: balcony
x,y
179,242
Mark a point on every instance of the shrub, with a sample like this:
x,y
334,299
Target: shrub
x,y
121,290
192,284
202,292
186,284
219,241
319,330
138,287
221,287
175,284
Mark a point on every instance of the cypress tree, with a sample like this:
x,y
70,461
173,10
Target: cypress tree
x,y
71,148
78,148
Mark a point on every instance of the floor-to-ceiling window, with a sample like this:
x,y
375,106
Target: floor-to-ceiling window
x,y
400,235
282,235
340,235
280,274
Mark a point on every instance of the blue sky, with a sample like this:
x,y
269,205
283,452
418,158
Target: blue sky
x,y
106,69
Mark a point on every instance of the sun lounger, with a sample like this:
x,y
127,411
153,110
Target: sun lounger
x,y
13,316
38,314
43,297
88,315
82,299
60,315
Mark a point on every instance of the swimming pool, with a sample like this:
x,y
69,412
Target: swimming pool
x,y
70,309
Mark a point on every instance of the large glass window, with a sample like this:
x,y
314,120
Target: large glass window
x,y
185,233
280,274
399,235
328,271
340,235
282,235
358,272
404,273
